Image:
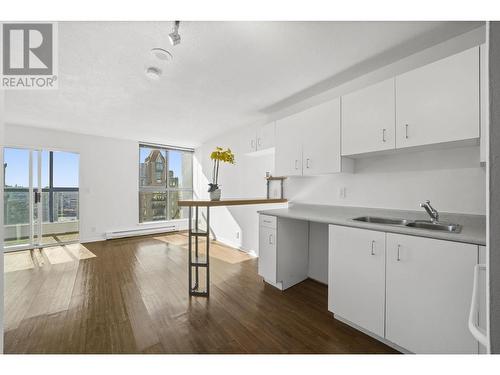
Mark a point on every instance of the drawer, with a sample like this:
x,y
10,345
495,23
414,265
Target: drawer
x,y
268,221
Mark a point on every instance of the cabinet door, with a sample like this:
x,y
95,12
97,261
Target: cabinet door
x,y
439,102
265,136
429,287
288,154
267,253
321,141
369,119
356,276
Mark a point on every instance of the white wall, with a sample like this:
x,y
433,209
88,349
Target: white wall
x,y
451,178
245,179
108,176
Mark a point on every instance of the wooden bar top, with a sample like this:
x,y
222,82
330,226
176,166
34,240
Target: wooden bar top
x,y
228,202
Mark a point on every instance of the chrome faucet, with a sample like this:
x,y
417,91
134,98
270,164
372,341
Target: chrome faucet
x,y
431,211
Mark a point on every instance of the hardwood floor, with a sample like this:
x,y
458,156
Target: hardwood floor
x,y
132,298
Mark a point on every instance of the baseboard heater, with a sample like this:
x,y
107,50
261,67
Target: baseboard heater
x,y
140,232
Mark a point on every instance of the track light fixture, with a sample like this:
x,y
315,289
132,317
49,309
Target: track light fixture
x,y
174,36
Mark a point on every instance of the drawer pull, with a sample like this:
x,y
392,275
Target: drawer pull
x,y
270,239
373,252
399,253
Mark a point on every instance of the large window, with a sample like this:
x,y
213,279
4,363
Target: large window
x,y
165,176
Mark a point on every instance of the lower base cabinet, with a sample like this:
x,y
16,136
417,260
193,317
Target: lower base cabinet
x,y
283,251
410,291
356,277
429,288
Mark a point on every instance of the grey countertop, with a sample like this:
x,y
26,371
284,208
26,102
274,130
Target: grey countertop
x,y
473,226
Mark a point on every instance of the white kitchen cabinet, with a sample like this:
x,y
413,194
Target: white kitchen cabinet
x,y
265,136
288,155
429,285
368,119
260,137
321,142
267,253
308,142
356,276
439,102
283,251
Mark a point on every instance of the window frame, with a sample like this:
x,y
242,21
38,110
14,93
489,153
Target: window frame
x,y
162,189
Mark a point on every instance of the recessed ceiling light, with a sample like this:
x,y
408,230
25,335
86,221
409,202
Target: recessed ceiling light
x,y
161,54
154,73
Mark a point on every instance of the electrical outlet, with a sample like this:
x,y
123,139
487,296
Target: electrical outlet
x,y
342,192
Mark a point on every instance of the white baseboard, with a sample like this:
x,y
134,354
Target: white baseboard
x,y
236,245
97,238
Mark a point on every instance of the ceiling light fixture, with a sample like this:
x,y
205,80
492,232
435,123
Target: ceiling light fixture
x,y
153,73
174,36
161,54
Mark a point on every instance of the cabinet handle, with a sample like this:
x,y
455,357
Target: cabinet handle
x,y
252,143
296,164
406,131
383,135
270,239
259,142
373,243
399,253
307,163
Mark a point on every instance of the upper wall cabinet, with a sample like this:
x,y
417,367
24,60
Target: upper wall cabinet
x,y
439,102
308,142
288,155
261,137
368,119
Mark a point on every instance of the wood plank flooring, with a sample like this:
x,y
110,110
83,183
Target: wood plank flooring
x,y
132,298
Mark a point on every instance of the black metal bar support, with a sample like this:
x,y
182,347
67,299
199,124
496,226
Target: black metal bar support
x,y
194,233
197,255
208,251
190,231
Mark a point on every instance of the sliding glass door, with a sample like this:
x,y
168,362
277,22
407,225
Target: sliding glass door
x,y
41,198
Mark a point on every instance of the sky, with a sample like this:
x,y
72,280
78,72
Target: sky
x,y
17,171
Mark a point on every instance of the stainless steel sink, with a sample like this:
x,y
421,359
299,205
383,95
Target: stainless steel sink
x,y
382,220
445,227
418,224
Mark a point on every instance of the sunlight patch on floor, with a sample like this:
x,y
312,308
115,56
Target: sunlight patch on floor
x,y
18,261
79,251
28,259
217,250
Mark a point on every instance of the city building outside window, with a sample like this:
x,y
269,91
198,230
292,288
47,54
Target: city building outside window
x,y
165,177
